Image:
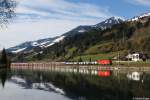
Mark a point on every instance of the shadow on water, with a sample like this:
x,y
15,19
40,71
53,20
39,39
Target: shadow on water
x,y
4,74
4,67
87,87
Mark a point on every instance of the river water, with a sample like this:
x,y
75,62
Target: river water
x,y
13,91
46,85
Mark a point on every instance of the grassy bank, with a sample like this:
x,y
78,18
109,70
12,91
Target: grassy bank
x,y
132,64
94,57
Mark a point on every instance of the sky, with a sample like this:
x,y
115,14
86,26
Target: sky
x,y
38,19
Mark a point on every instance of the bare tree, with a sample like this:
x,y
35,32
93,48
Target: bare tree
x,y
7,11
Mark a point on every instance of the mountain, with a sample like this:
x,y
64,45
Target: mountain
x,y
94,44
32,46
108,23
38,45
78,30
141,17
89,43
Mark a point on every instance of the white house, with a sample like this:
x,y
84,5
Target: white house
x,y
134,57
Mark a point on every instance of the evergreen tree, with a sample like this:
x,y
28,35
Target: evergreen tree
x,y
20,57
90,60
80,59
4,57
39,56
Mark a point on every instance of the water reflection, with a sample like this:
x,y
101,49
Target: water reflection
x,y
123,86
20,85
4,74
86,87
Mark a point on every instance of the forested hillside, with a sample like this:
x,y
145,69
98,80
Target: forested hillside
x,y
129,36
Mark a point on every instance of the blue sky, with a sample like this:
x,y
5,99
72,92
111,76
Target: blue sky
x,y
123,8
37,19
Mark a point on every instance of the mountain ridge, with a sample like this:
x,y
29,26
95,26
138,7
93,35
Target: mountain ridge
x,y
43,43
95,43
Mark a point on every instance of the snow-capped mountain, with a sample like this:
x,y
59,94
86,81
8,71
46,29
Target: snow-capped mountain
x,y
108,23
40,44
44,43
79,30
142,16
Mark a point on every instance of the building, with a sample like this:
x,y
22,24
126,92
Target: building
x,y
137,57
133,57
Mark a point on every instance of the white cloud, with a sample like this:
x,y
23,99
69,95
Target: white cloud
x,y
47,18
20,32
140,2
57,8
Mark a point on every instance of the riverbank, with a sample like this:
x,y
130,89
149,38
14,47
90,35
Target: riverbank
x,y
131,63
82,69
114,63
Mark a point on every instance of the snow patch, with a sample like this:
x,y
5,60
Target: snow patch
x,y
49,45
139,17
41,52
81,31
55,41
43,43
110,21
144,15
35,44
59,39
19,50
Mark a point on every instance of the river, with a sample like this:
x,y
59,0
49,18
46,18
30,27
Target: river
x,y
47,85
